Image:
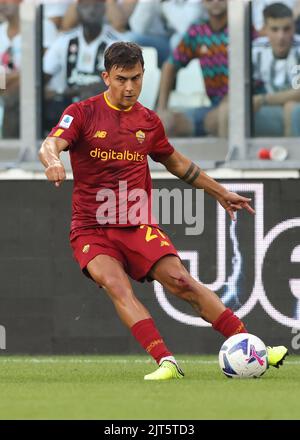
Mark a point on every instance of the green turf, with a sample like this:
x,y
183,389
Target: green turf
x,y
106,387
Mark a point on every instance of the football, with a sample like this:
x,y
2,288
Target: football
x,y
242,356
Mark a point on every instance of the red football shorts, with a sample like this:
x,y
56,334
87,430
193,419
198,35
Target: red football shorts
x,y
137,248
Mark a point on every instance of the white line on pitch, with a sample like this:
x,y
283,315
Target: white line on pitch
x,y
110,361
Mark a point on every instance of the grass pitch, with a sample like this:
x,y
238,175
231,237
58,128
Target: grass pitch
x,y
112,388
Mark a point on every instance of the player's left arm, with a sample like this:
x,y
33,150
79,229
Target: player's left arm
x,y
186,170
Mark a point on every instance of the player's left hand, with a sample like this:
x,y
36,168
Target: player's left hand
x,y
233,202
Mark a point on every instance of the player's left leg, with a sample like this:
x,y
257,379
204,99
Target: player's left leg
x,y
171,273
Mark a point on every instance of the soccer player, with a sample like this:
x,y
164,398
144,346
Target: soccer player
x,y
109,137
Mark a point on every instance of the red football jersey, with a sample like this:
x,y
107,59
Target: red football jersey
x,y
108,150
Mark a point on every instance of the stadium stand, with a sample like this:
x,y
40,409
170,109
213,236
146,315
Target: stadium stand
x,y
188,91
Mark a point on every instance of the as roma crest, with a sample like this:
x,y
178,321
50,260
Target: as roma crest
x,y
140,135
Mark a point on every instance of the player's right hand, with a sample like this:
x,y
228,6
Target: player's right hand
x,y
56,173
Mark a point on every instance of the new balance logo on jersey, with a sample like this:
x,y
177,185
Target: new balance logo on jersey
x,y
100,134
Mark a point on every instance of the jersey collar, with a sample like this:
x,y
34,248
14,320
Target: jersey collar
x,y
113,106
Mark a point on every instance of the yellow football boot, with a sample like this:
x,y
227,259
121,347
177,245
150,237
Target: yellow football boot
x,y
166,371
276,355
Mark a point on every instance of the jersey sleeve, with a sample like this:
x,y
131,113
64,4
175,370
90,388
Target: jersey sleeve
x,y
70,125
161,148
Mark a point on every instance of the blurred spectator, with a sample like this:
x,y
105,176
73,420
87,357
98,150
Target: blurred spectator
x,y
61,14
297,15
180,15
70,18
58,17
73,64
208,42
50,33
276,60
10,60
118,12
258,7
153,23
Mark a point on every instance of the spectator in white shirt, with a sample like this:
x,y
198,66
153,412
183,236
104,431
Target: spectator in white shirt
x,y
275,59
10,61
161,23
73,64
258,7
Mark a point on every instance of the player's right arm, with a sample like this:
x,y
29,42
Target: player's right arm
x,y
63,136
49,156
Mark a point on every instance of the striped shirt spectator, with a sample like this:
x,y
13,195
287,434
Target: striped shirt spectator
x,y
210,47
207,41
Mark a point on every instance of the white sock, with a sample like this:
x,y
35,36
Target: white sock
x,y
168,358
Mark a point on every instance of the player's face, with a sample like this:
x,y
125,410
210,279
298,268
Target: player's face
x,y
124,85
215,8
280,32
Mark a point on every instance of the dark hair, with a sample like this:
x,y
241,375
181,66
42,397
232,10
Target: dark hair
x,y
277,10
123,54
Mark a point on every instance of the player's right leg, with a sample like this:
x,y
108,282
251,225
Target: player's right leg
x,y
109,273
